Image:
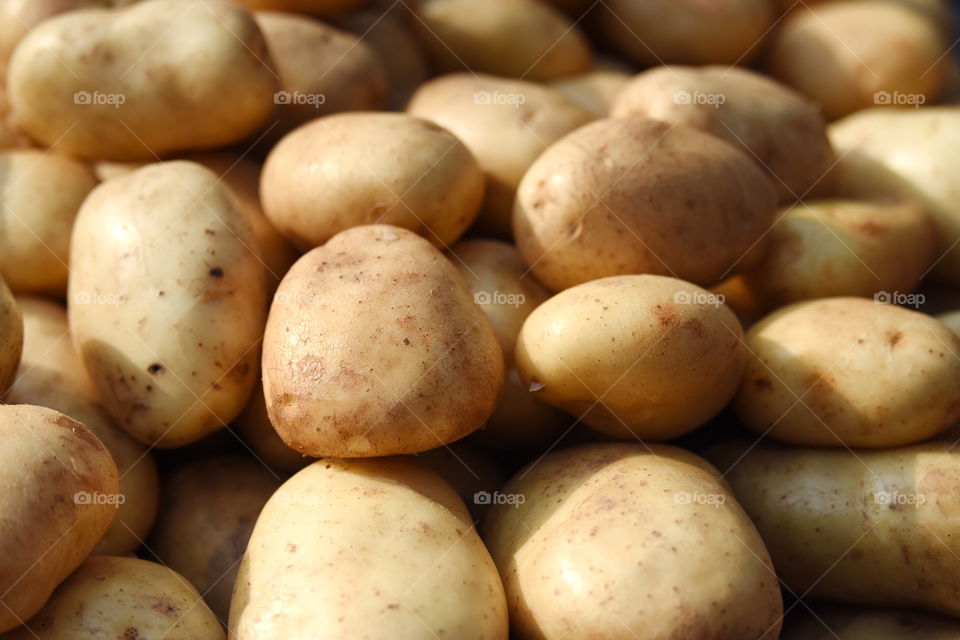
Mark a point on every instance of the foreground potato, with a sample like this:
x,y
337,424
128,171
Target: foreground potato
x,y
641,357
623,196
850,372
129,598
125,83
167,301
60,495
11,337
351,169
366,548
374,346
871,527
629,541
858,623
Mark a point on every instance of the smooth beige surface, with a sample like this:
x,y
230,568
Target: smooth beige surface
x,y
594,90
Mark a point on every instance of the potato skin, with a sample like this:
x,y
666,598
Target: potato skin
x,y
601,524
640,357
868,527
633,195
850,372
323,560
63,79
11,337
595,90
168,301
318,8
123,597
861,623
411,364
51,463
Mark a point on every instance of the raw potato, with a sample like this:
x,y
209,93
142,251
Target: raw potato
x,y
352,169
850,372
847,56
779,129
254,427
868,527
825,248
741,298
129,598
126,83
640,357
51,375
40,193
11,337
595,90
907,154
505,123
859,623
380,548
319,8
650,32
630,541
473,473
167,301
208,512
59,496
374,347
624,196
11,137
19,17
521,421
516,38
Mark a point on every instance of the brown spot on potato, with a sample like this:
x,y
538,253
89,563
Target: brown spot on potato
x,y
216,272
155,368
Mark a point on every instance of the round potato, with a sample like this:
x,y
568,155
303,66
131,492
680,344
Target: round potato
x,y
253,426
126,83
626,540
851,55
850,372
11,337
505,123
167,301
325,559
319,8
374,347
129,598
594,90
778,128
643,357
626,196
40,193
60,494
860,623
352,169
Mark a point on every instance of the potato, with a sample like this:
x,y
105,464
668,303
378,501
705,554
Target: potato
x,y
627,541
653,32
776,127
516,38
521,421
374,347
625,196
825,248
11,137
212,504
858,623
129,598
19,17
167,301
352,169
868,527
741,298
259,436
850,372
474,474
951,320
51,375
907,154
595,90
142,81
847,56
11,337
40,193
60,493
643,357
379,548
505,123
322,70
319,8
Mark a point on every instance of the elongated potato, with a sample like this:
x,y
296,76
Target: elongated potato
x,y
167,301
862,623
630,541
11,337
325,559
60,495
869,527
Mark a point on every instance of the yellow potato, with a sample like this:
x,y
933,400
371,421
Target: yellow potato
x,y
374,347
642,357
633,195
128,598
11,137
379,548
19,17
254,427
594,90
319,8
352,169
167,301
630,541
141,81
11,337
60,493
860,623
742,300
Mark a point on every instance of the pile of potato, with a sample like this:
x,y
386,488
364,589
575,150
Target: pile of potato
x,y
477,319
